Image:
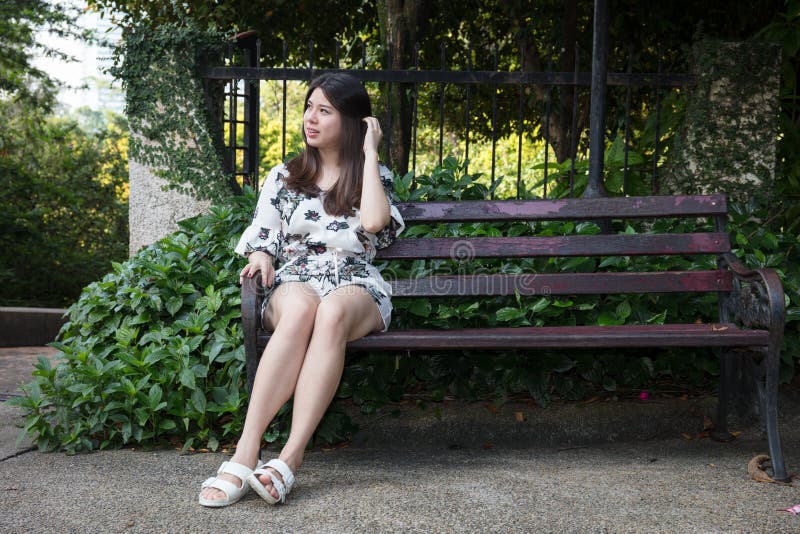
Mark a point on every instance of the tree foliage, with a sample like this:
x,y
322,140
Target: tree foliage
x,y
20,20
482,35
63,204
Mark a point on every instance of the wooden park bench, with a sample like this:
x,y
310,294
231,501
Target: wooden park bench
x,y
751,302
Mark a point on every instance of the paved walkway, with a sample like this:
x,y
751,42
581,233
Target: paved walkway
x,y
621,466
16,366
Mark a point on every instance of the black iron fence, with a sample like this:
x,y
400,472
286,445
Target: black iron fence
x,y
534,116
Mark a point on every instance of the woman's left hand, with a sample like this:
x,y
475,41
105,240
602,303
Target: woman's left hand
x,y
373,137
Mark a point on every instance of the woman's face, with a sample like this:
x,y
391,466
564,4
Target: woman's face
x,y
322,122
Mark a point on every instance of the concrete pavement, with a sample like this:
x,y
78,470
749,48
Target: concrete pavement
x,y
622,466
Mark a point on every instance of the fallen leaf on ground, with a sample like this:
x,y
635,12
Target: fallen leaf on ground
x,y
519,416
591,400
686,436
492,408
756,471
794,510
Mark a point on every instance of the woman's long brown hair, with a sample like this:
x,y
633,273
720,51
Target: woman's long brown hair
x,y
348,95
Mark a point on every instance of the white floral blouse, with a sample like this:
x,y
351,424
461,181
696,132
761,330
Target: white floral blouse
x,y
316,248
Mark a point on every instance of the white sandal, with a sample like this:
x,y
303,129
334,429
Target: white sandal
x,y
283,487
232,492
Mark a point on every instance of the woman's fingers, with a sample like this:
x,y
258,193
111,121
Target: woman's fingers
x,y
267,275
374,134
245,272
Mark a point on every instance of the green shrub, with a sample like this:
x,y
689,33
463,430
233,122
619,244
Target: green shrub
x,y
153,351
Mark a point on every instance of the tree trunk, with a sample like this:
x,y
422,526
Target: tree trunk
x,y
399,25
559,122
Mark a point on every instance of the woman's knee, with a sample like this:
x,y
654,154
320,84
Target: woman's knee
x,y
332,317
292,306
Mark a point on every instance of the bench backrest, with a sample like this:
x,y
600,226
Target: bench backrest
x,y
642,244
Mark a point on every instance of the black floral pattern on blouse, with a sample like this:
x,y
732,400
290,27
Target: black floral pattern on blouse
x,y
286,201
316,247
388,234
337,225
312,215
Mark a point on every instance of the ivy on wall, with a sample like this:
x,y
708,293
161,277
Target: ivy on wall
x,y
728,142
173,114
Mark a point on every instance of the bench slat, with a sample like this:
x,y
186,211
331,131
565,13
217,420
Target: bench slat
x,y
562,283
672,335
571,245
565,209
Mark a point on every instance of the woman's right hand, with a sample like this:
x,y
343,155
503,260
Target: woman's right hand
x,y
259,261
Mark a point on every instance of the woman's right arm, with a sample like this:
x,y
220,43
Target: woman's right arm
x,y
261,241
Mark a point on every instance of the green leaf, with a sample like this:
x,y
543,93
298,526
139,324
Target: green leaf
x,y
623,310
540,305
609,384
174,304
187,378
154,396
167,424
199,401
421,307
658,318
607,318
509,314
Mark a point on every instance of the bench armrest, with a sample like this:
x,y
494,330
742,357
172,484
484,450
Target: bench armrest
x,y
757,299
252,295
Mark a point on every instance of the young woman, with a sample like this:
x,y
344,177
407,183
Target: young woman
x,y
322,216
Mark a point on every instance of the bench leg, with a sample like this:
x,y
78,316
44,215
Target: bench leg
x,y
727,383
769,404
752,387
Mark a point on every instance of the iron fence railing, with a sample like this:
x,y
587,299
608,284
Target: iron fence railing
x,y
242,92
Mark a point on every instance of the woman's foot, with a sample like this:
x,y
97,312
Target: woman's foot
x,y
227,487
274,480
215,494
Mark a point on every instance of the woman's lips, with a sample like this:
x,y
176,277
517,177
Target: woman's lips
x,y
311,132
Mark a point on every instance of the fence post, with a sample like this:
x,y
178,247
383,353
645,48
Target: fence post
x,y
597,108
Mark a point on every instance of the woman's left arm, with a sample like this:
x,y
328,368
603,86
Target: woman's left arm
x,y
375,213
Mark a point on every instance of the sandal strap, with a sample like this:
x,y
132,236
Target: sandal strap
x,y
276,482
236,469
281,467
279,487
228,488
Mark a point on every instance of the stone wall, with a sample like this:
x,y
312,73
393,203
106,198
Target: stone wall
x,y
154,212
729,138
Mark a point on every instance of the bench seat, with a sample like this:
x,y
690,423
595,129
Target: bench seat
x,y
547,337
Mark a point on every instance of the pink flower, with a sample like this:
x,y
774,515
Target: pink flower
x,y
794,510
644,395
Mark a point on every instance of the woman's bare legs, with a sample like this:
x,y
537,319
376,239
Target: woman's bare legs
x,y
291,311
345,314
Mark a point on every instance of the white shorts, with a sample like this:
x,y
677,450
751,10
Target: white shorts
x,y
328,271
